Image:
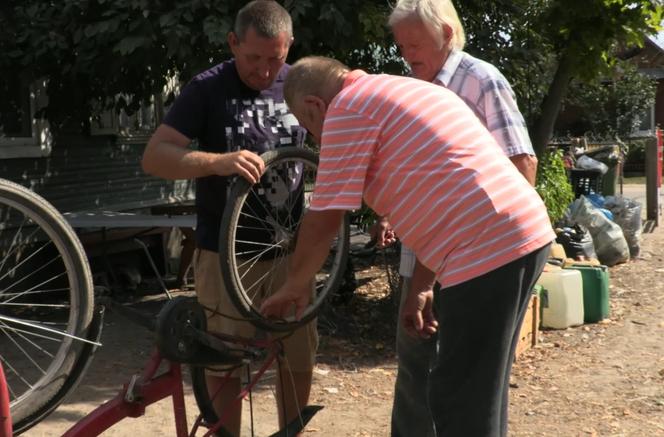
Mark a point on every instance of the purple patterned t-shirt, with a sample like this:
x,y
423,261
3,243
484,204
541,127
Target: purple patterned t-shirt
x,y
224,115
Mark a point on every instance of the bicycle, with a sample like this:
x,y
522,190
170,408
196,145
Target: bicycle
x,y
48,328
182,338
282,194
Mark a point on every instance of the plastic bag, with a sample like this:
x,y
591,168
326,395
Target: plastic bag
x,y
608,238
598,202
596,199
609,155
607,213
577,242
587,163
627,214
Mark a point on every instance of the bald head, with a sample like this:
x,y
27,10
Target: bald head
x,y
310,86
314,75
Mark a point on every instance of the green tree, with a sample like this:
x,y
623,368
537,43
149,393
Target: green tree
x,y
609,106
584,37
94,50
543,45
553,186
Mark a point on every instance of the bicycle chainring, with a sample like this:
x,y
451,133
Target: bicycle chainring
x,y
177,326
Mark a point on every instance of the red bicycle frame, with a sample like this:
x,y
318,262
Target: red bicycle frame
x,y
149,388
5,418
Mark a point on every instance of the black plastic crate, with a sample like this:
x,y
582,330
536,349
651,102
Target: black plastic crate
x,y
585,181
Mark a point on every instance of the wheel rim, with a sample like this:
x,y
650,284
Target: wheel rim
x,y
39,301
275,207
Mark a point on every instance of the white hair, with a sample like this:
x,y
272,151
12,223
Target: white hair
x,y
434,14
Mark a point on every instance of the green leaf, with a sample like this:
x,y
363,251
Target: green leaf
x,y
129,44
167,20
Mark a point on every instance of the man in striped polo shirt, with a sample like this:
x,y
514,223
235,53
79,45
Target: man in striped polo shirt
x,y
420,157
431,39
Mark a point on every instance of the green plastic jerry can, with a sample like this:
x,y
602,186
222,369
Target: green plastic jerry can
x,y
595,291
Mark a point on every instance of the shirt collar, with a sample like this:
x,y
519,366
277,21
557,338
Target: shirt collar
x,y
352,76
450,66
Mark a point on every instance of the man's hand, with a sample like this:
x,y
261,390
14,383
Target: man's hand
x,y
167,156
315,235
290,299
527,166
243,163
417,314
381,232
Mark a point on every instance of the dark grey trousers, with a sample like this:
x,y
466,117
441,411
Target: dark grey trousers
x,y
411,415
465,385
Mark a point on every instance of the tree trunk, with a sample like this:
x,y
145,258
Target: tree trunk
x,y
543,128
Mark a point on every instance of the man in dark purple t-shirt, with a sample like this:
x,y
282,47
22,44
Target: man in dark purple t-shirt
x,y
235,111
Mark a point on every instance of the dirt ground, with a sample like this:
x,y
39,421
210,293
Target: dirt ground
x,y
604,379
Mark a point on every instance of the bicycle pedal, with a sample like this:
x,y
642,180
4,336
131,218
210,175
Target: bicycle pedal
x,y
130,394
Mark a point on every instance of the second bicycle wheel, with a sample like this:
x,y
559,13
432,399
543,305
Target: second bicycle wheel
x,y
258,233
46,303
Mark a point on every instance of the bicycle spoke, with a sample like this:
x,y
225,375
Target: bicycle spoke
x,y
291,225
262,204
255,215
257,218
257,254
300,193
34,272
14,246
27,355
11,368
43,328
36,286
34,253
242,255
35,292
36,305
258,243
251,228
257,257
33,334
258,281
281,261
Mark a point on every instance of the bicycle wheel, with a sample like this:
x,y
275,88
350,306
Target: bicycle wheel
x,y
262,417
260,224
46,303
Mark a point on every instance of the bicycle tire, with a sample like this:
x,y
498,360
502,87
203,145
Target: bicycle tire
x,y
37,297
280,180
211,417
202,396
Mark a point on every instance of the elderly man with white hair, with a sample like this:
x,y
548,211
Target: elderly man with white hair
x,y
431,39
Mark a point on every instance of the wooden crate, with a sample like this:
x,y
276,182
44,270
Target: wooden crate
x,y
529,328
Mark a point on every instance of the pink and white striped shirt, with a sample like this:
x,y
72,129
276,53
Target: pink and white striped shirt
x,y
420,157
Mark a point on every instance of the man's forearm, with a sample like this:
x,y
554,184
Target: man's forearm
x,y
423,279
314,237
169,161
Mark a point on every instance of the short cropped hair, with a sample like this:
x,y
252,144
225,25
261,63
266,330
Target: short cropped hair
x,y
267,17
313,75
434,14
